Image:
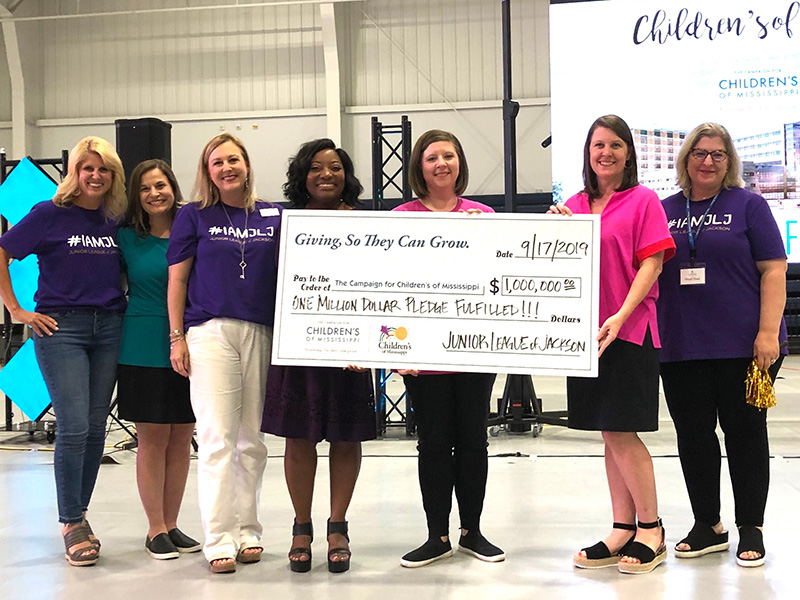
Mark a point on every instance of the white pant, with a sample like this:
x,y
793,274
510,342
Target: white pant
x,y
228,376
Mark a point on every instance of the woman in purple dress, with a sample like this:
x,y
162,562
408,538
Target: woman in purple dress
x,y
308,404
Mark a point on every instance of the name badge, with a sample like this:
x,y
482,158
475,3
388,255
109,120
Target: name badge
x,y
269,212
693,275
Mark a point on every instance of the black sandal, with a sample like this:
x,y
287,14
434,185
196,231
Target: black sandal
x,y
301,566
81,557
750,540
599,556
702,540
648,560
338,566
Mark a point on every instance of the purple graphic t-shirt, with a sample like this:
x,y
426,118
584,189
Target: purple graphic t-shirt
x,y
721,318
216,286
78,256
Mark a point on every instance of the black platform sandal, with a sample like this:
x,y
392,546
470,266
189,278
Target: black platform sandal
x,y
301,566
599,556
750,540
648,560
338,566
702,540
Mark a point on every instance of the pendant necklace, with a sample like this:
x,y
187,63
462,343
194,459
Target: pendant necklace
x,y
241,241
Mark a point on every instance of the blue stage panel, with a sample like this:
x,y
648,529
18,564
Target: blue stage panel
x,y
25,186
21,380
25,280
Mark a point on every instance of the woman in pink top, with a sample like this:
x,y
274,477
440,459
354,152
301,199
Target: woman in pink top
x,y
623,399
451,409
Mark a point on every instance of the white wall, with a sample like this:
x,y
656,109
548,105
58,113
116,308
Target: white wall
x,y
271,142
204,71
5,138
5,83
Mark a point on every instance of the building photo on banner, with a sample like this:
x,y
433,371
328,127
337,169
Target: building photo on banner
x,y
340,259
731,62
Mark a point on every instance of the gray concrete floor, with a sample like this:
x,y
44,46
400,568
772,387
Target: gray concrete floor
x,y
547,497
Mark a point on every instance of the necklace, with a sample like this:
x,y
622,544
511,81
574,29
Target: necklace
x,y
241,241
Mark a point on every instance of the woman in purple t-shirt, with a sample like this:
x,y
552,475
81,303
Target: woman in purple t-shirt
x,y
451,409
77,322
221,303
623,399
721,306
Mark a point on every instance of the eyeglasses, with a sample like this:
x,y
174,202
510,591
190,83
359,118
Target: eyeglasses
x,y
717,155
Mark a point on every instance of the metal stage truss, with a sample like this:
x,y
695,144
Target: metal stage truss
x,y
391,152
13,334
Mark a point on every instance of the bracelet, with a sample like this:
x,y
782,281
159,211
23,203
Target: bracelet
x,y
176,332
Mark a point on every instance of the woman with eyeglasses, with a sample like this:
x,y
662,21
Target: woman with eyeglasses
x,y
721,306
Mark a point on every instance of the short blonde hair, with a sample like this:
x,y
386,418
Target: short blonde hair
x,y
205,192
115,201
733,177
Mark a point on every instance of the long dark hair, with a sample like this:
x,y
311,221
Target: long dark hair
x,y
295,189
136,217
631,177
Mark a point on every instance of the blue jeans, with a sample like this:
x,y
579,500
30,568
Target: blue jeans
x,y
79,364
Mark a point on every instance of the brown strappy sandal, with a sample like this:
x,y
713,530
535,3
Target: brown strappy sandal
x,y
80,557
92,537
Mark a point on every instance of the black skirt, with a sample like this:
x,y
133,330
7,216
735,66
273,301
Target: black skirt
x,y
624,395
153,395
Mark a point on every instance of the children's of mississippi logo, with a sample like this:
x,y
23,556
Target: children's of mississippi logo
x,y
392,338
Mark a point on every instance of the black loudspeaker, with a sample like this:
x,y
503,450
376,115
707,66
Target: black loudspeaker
x,y
143,139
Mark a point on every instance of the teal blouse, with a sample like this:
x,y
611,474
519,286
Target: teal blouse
x,y
145,330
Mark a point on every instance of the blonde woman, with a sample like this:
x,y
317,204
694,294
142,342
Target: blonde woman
x,y
221,304
703,371
77,321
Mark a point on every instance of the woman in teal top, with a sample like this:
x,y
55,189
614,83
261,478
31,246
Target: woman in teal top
x,y
150,393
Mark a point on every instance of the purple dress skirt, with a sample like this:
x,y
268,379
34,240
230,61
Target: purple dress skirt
x,y
319,403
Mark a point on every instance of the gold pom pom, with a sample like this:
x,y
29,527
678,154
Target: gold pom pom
x,y
759,390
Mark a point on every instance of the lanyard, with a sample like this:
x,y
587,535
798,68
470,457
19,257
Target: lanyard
x,y
693,237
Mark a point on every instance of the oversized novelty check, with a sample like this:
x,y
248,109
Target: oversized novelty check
x,y
438,291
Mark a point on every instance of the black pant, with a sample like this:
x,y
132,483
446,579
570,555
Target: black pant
x,y
451,413
698,392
